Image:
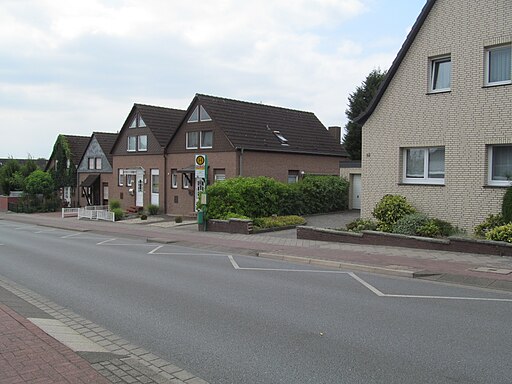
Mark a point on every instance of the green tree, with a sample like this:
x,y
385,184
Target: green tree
x,y
8,179
358,102
39,182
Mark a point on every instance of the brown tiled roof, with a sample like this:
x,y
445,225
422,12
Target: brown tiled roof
x,y
78,146
162,122
251,126
106,141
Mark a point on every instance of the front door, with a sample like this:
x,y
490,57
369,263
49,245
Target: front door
x,y
155,187
356,191
139,189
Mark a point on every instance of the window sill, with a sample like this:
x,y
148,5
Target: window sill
x,y
422,184
491,186
493,85
435,92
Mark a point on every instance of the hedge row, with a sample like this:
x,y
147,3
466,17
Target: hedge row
x,y
262,197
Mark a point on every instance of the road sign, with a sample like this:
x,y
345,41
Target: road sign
x,y
200,166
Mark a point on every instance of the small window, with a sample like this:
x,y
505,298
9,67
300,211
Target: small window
x,y
174,178
120,177
424,165
98,163
184,181
194,117
440,74
498,65
137,122
143,143
203,115
206,139
500,165
129,180
293,177
192,140
199,114
155,183
219,174
91,163
132,141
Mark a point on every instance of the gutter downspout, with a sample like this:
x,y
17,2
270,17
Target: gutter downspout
x,y
241,162
165,182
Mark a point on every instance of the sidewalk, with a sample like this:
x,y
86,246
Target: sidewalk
x,y
29,355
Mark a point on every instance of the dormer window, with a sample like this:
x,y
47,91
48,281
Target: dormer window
x,y
199,114
137,122
281,138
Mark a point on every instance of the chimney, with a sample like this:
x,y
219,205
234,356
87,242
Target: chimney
x,y
336,133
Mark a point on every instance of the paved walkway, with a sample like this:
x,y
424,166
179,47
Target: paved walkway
x,y
27,354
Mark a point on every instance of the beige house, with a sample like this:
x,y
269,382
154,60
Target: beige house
x,y
439,131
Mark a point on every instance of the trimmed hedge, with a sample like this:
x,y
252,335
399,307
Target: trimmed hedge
x,y
263,197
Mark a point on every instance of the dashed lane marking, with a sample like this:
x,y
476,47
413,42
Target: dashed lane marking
x,y
70,235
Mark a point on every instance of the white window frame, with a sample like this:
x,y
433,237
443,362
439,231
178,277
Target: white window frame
x,y
488,51
425,179
201,140
490,181
97,163
196,146
120,177
141,148
174,178
434,69
184,182
129,180
130,138
91,163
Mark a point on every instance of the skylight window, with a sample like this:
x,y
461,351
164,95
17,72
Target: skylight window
x,y
281,138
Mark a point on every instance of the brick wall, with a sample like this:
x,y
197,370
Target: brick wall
x,y
464,120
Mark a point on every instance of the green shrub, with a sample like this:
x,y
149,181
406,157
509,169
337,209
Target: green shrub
x,y
118,213
143,217
410,224
322,194
502,233
429,229
178,219
359,225
390,209
278,221
506,207
231,215
113,204
153,209
445,228
491,222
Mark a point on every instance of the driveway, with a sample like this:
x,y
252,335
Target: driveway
x,y
330,220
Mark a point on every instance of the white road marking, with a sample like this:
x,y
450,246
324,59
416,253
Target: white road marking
x,y
369,286
154,250
71,235
46,231
105,241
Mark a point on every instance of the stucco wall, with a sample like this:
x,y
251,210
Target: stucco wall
x,y
464,120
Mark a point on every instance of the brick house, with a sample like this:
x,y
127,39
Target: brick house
x,y
95,170
62,164
246,139
439,130
138,156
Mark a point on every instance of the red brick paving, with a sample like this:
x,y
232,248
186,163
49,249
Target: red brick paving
x,y
28,355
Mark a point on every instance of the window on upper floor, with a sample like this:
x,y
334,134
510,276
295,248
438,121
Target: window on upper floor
x,y
500,165
97,162
192,140
132,142
142,143
91,162
498,67
206,139
199,114
440,74
137,122
283,140
423,165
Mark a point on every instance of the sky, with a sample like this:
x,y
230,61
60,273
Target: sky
x,y
77,67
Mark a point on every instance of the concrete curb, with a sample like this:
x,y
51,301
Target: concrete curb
x,y
395,271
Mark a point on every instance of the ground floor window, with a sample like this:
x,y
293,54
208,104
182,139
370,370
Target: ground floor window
x,y
423,165
219,174
293,177
500,165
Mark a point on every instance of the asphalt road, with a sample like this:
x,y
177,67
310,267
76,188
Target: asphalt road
x,y
240,319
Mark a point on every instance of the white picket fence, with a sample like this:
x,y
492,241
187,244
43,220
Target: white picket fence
x,y
92,212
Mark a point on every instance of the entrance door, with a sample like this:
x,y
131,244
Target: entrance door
x,y
155,186
139,189
356,191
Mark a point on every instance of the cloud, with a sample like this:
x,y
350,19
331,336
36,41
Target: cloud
x,y
76,67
